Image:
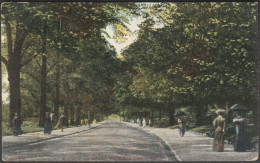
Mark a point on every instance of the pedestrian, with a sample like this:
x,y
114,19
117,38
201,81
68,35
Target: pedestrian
x,y
144,122
52,119
17,125
89,122
182,125
219,125
149,123
62,121
242,139
48,123
138,121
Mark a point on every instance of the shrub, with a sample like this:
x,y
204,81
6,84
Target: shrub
x,y
163,122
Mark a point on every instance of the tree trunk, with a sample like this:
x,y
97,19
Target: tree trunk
x,y
14,69
160,113
57,99
151,116
78,116
43,78
15,97
72,112
66,112
171,114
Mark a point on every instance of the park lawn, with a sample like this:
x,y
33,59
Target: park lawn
x,y
29,125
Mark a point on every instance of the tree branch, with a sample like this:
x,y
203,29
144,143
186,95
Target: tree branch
x,y
52,67
9,38
4,60
29,60
38,63
33,76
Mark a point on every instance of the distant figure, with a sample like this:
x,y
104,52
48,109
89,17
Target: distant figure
x,y
182,125
62,122
138,121
48,123
242,139
219,125
149,123
17,123
52,119
144,122
90,121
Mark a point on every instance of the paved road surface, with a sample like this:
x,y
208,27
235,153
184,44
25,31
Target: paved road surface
x,y
112,141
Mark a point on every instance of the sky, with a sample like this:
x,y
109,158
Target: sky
x,y
133,26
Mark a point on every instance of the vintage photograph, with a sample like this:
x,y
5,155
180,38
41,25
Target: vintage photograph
x,y
129,81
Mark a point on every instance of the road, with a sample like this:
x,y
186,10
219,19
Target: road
x,y
112,141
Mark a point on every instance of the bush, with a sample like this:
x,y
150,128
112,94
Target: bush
x,y
203,129
163,122
174,127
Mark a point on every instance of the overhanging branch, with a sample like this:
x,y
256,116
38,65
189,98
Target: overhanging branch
x,y
4,60
29,60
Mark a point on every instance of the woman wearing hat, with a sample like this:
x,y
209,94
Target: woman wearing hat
x,y
219,125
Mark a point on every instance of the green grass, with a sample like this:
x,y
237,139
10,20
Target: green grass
x,y
30,125
202,129
173,127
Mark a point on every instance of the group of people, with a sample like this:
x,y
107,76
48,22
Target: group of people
x,y
48,126
142,122
242,138
50,122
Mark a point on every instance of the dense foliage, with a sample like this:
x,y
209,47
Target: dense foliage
x,y
197,57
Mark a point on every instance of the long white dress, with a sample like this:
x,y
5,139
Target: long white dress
x,y
144,123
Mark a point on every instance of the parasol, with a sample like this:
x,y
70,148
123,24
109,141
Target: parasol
x,y
239,107
180,113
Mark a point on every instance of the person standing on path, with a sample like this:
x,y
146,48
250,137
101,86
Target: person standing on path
x,y
89,122
17,123
48,124
138,121
62,122
242,139
182,125
144,122
219,125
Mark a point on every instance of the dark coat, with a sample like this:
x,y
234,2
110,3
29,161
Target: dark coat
x,y
62,120
48,124
242,139
17,123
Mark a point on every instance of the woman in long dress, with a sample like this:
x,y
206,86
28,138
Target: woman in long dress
x,y
219,125
144,122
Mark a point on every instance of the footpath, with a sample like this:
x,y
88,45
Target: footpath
x,y
196,147
35,137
